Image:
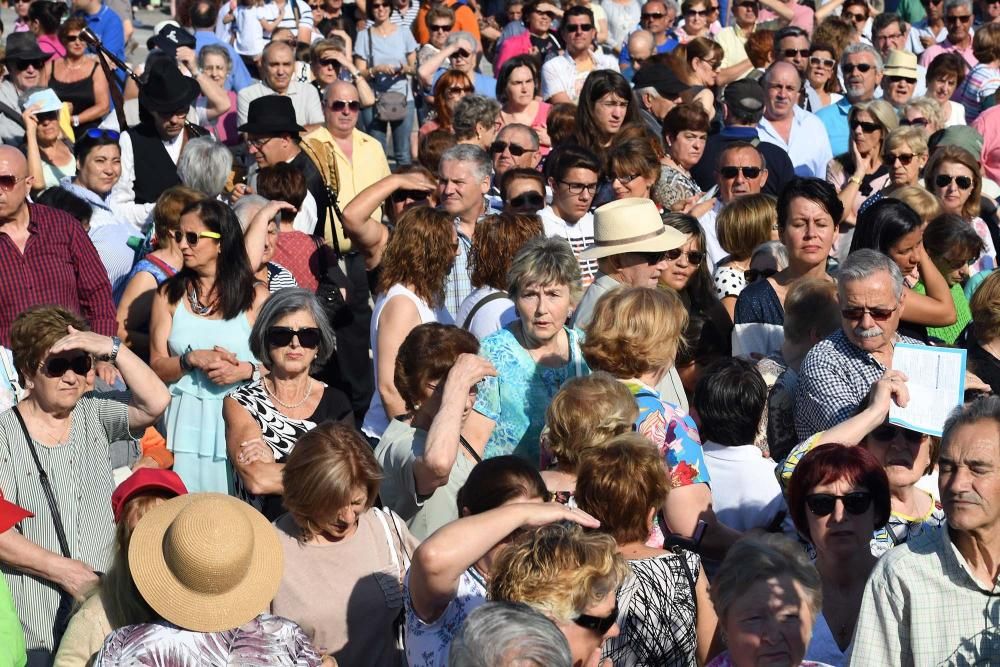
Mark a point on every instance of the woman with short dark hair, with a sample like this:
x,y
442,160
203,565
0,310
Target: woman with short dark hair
x,y
685,130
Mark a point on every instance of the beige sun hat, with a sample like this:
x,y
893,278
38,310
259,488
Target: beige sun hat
x,y
631,225
205,561
901,63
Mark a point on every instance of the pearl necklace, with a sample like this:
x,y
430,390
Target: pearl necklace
x,y
288,406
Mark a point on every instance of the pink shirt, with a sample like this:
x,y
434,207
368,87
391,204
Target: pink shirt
x,y
51,45
946,46
802,16
988,124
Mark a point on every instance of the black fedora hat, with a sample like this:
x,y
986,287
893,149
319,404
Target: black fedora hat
x,y
166,89
171,37
23,46
271,114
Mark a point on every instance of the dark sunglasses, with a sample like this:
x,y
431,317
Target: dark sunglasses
x,y
598,624
866,127
47,116
440,28
822,504
887,432
651,16
699,12
329,62
551,15
400,196
377,5
897,79
192,237
731,172
528,200
8,181
919,122
958,18
57,366
282,337
458,90
791,53
25,64
340,105
878,314
753,275
861,67
857,18
944,180
579,27
694,256
462,53
499,147
904,158
816,61
748,5
68,39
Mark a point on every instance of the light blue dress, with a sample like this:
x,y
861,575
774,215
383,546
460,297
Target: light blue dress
x,y
196,433
516,399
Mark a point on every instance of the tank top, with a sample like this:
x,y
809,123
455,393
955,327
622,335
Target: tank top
x,y
79,93
192,332
376,420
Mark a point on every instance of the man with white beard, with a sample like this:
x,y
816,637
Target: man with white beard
x,y
838,372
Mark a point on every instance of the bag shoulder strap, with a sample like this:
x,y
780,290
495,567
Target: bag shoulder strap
x,y
156,261
401,564
371,49
489,298
43,477
470,449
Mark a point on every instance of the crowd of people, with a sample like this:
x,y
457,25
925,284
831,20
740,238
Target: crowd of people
x,y
482,333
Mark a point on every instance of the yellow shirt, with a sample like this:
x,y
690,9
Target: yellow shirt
x,y
733,42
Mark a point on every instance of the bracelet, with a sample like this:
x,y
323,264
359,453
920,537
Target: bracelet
x,y
185,364
855,179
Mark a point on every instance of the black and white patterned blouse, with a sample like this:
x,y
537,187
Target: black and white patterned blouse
x,y
280,433
657,613
729,281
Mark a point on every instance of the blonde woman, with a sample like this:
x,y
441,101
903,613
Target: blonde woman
x,y
742,225
916,197
923,113
905,156
586,413
984,356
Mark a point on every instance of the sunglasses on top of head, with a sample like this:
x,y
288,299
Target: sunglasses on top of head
x,y
193,237
309,337
823,504
56,367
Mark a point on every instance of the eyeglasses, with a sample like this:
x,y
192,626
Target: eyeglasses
x,y
529,200
897,79
380,5
400,196
822,504
887,432
578,188
192,237
731,172
699,12
886,38
329,62
73,38
693,256
624,179
866,127
57,366
259,143
920,122
340,105
877,314
791,53
651,16
458,90
816,61
309,337
851,16
579,27
944,180
25,64
598,624
8,181
864,68
958,18
441,28
499,147
903,158
753,275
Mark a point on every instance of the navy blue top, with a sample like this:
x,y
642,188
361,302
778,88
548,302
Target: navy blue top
x,y
758,302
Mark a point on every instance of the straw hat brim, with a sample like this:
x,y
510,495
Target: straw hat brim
x,y
662,240
194,610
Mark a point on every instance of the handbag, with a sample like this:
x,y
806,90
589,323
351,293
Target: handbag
x,y
390,106
65,609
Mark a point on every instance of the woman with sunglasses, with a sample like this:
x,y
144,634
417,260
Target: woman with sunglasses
x,y
78,79
923,113
519,93
264,419
49,152
954,175
450,87
697,20
56,454
697,64
633,166
861,172
538,39
199,332
687,273
905,156
822,84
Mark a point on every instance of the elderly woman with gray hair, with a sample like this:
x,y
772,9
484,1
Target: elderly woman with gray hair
x,y
534,355
215,61
271,274
476,120
204,166
264,418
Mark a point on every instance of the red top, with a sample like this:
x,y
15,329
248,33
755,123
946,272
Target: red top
x,y
60,266
296,251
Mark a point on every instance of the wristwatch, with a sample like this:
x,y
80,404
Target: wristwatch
x,y
116,344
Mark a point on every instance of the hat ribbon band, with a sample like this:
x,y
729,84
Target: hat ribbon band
x,y
632,239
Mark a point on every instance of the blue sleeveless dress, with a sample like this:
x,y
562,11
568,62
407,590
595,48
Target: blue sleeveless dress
x,y
196,433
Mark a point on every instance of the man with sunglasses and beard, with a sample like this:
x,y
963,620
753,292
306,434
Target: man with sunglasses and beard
x,y
838,372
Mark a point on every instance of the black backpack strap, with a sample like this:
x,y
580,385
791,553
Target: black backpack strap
x,y
489,298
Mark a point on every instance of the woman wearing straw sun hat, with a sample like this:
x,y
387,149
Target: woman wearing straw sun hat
x,y
209,565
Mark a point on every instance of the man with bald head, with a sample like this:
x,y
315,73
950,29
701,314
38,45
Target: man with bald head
x,y
790,127
277,69
46,256
640,49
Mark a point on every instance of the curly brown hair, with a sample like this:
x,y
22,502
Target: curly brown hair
x,y
37,329
497,240
420,253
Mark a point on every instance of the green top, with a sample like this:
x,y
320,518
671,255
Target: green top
x,y
12,651
911,11
950,334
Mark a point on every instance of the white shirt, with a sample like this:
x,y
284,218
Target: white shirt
x,y
707,222
745,491
122,199
491,317
559,74
580,236
305,99
808,145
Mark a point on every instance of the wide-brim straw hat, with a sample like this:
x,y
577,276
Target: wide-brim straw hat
x,y
206,562
631,225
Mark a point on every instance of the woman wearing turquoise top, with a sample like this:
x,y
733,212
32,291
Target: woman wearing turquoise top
x,y
199,334
533,355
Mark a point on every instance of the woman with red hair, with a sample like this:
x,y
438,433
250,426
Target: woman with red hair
x,y
449,89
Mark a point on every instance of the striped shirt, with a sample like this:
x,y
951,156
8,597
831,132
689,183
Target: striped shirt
x,y
278,277
288,18
80,474
401,18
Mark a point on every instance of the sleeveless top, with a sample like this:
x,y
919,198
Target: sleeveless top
x,y
79,93
155,267
376,420
190,332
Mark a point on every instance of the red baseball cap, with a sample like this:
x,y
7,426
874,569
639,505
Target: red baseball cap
x,y
11,514
145,480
